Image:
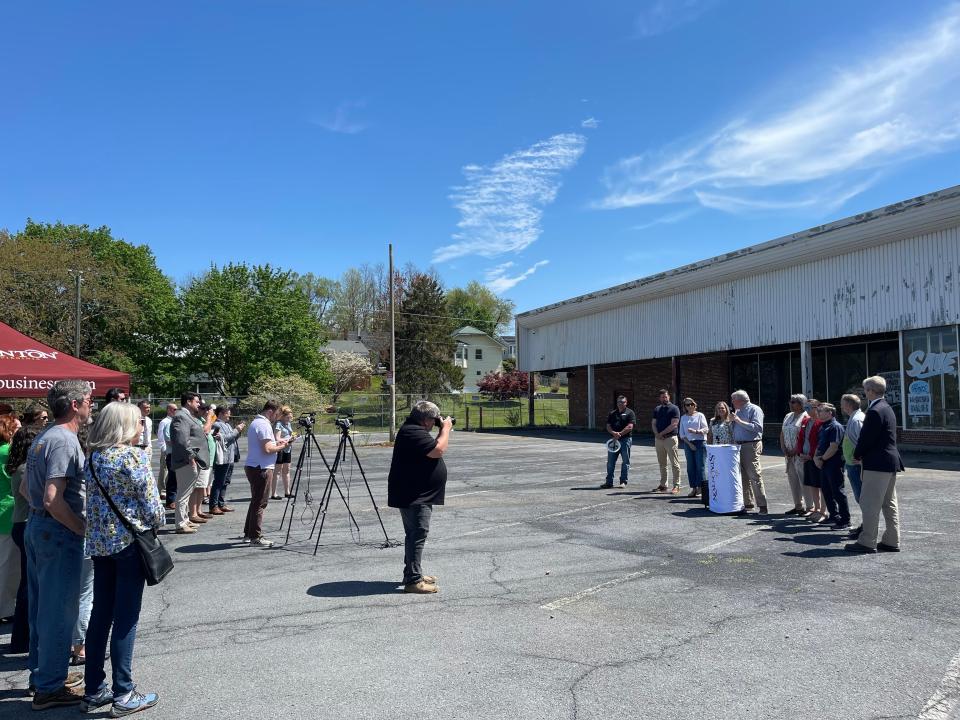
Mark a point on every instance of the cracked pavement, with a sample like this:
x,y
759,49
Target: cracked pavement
x,y
780,623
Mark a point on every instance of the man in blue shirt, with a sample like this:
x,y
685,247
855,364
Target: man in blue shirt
x,y
829,459
666,420
748,435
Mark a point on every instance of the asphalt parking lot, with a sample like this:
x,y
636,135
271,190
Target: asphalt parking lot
x,y
557,600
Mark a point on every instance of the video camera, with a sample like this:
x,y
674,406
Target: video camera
x,y
344,422
307,420
438,422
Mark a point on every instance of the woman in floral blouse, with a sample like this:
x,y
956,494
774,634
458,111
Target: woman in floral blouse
x,y
124,473
721,429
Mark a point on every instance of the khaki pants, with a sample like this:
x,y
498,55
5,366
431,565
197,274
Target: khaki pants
x,y
186,482
162,480
668,451
879,494
751,475
802,494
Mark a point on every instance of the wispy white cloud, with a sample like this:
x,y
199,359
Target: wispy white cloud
x,y
902,103
343,119
501,204
664,15
591,123
668,219
499,281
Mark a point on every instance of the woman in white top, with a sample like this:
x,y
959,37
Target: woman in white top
x,y
282,430
792,423
693,434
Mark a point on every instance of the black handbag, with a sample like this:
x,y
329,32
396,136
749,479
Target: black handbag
x,y
154,558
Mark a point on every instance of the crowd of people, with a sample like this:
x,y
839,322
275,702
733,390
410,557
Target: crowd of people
x,y
74,487
820,454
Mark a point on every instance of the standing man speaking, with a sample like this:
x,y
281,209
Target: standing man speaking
x,y
417,482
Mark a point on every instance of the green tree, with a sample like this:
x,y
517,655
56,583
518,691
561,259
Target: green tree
x,y
322,293
425,343
300,394
128,306
479,306
240,323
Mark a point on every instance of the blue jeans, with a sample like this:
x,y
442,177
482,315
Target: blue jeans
x,y
625,444
696,461
853,474
54,561
221,478
86,602
117,591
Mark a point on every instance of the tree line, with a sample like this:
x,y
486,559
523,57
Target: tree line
x,y
239,325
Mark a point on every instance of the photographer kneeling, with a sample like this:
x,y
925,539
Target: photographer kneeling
x,y
417,481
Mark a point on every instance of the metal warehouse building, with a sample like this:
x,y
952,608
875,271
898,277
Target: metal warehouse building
x,y
813,312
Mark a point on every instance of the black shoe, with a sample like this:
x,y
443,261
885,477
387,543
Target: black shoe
x,y
841,525
855,533
606,487
793,511
858,548
883,547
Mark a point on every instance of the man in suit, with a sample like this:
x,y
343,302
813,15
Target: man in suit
x,y
189,453
877,453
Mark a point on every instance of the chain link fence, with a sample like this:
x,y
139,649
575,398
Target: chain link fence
x,y
371,412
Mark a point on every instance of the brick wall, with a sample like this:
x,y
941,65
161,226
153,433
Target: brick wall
x,y
928,438
706,379
639,381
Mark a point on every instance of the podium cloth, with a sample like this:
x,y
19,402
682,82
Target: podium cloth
x,y
723,478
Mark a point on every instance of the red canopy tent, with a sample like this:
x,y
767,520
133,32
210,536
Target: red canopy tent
x,y
29,368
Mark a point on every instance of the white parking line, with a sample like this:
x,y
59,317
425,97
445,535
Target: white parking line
x,y
564,601
728,541
941,704
535,519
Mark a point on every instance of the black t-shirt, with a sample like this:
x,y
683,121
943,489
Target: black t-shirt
x,y
664,415
415,479
619,420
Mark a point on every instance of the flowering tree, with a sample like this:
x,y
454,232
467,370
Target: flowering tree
x,y
504,385
347,370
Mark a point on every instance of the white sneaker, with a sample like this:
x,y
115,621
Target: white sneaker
x,y
262,542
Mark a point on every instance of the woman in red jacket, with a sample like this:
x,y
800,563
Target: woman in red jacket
x,y
806,449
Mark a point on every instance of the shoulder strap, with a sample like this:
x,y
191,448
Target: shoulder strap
x,y
103,491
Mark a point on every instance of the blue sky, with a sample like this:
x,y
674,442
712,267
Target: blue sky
x,y
546,148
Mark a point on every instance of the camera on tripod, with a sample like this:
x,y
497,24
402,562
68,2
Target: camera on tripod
x,y
344,422
307,420
438,422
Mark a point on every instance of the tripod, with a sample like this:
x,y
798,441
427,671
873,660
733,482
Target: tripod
x,y
306,453
332,483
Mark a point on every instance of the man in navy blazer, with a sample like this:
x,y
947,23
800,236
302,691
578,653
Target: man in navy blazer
x,y
877,453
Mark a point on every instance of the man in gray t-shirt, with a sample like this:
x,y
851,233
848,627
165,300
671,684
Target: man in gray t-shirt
x,y
54,545
56,453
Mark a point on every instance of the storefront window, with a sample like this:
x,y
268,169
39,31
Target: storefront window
x,y
930,365
846,369
774,395
743,375
883,359
819,373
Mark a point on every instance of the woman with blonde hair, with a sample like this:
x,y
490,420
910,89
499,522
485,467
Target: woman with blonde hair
x,y
120,471
721,427
282,430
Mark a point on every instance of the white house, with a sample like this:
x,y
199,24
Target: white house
x,y
477,354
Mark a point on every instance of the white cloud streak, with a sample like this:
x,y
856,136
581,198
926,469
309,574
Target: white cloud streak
x,y
501,204
664,15
900,104
669,219
342,120
498,280
591,123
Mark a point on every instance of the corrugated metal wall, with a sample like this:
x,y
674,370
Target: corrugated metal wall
x,y
911,283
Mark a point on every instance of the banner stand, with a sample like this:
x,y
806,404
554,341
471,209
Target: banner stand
x,y
723,476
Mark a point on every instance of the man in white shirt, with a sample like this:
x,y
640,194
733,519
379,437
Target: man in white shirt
x,y
163,434
262,449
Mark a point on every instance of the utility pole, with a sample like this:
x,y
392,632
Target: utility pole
x,y
393,358
78,276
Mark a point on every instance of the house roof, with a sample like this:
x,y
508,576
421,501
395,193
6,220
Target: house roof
x,y
350,346
470,330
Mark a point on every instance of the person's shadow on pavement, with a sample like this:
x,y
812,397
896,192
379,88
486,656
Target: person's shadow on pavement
x,y
353,588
